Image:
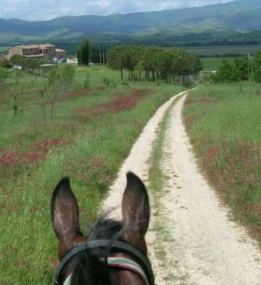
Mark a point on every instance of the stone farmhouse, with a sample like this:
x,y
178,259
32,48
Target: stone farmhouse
x,y
46,51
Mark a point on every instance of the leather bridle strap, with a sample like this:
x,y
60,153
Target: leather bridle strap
x,y
104,247
127,264
120,263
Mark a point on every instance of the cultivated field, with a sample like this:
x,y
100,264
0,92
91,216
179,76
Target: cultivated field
x,y
86,136
223,50
223,122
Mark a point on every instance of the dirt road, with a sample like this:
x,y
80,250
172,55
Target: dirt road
x,y
192,240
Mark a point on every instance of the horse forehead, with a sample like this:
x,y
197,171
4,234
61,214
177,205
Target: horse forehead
x,y
105,229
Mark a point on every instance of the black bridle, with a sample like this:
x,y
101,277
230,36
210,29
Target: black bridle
x,y
103,246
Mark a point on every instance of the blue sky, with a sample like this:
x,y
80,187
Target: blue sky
x,y
49,9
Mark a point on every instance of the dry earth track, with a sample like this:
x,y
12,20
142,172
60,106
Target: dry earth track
x,y
191,231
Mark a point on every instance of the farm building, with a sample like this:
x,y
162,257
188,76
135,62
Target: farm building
x,y
60,53
46,51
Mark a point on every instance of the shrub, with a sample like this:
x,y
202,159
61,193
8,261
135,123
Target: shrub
x,y
17,75
242,66
109,82
4,74
227,72
125,83
62,75
86,83
4,62
257,67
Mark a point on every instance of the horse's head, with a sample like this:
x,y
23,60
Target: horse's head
x,y
114,252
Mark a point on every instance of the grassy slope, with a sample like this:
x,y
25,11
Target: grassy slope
x,y
84,140
223,122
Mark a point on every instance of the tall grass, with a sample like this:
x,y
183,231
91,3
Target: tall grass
x,y
223,122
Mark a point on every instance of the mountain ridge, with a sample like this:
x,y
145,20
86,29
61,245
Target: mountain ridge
x,y
232,17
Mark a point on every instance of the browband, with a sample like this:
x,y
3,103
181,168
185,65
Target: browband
x,y
111,246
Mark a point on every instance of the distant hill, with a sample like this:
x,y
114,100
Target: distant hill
x,y
254,36
202,24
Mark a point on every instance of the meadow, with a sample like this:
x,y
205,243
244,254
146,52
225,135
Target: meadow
x,y
86,135
223,121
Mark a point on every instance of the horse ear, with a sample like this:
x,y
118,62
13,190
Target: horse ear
x,y
135,212
65,212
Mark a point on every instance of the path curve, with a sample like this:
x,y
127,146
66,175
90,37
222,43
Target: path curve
x,y
191,240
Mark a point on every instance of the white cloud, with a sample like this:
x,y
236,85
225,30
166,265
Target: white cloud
x,y
48,9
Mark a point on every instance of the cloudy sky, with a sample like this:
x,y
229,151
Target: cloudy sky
x,y
49,9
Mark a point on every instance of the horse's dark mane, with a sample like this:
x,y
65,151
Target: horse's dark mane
x,y
105,228
90,267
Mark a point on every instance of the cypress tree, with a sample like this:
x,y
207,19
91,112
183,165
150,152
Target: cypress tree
x,y
105,55
79,56
94,55
101,55
83,53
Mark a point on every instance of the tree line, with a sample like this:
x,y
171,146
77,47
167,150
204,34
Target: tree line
x,y
31,65
153,63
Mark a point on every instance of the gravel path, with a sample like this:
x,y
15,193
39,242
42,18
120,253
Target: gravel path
x,y
137,161
192,241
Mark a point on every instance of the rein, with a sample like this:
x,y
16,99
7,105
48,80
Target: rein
x,y
141,265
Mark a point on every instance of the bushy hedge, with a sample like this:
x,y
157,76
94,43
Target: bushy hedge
x,y
241,69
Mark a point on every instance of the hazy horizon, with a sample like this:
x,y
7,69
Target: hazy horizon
x,y
51,9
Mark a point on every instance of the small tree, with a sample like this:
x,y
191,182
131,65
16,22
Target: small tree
x,y
67,72
17,75
115,59
4,74
227,72
4,62
16,59
59,80
87,81
53,77
242,66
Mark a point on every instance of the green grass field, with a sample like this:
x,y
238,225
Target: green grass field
x,y
213,63
223,122
88,137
